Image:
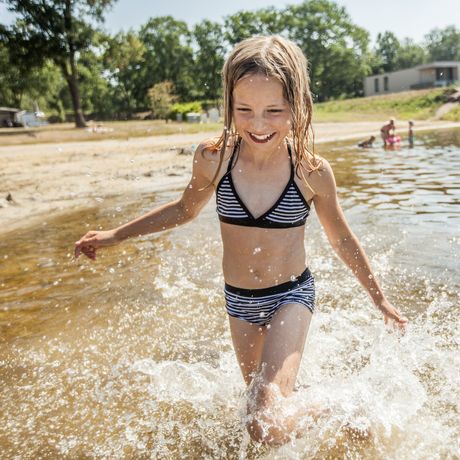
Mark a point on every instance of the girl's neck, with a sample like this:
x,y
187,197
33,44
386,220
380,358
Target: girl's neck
x,y
261,159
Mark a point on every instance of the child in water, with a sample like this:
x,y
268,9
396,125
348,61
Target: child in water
x,y
411,134
266,179
367,143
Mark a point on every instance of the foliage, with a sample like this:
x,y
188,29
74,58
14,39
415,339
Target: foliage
x,y
245,24
55,30
123,62
184,108
162,99
168,56
443,44
335,47
209,58
56,56
390,54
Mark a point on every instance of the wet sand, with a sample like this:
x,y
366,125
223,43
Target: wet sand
x,y
48,179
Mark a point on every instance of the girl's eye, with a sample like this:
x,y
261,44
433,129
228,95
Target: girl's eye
x,y
275,111
242,110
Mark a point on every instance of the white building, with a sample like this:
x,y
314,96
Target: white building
x,y
440,73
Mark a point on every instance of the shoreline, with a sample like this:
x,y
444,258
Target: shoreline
x,y
48,179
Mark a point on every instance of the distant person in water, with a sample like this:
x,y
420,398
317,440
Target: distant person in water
x,y
411,134
368,143
387,130
266,176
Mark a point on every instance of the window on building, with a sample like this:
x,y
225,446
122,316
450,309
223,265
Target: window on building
x,y
385,83
376,85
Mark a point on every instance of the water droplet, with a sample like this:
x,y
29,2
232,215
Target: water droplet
x,y
282,323
268,326
111,270
257,250
131,161
370,277
118,208
190,186
251,270
293,277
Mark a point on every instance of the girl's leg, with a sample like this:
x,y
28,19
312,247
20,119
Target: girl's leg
x,y
248,340
280,360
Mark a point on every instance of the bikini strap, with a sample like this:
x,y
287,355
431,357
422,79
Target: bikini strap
x,y
290,159
235,149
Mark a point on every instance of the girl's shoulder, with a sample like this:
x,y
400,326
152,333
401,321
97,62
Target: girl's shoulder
x,y
208,157
317,175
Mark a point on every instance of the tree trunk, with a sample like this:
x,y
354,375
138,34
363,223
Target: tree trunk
x,y
72,77
72,81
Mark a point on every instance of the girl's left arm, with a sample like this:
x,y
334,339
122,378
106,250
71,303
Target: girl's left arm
x,y
344,241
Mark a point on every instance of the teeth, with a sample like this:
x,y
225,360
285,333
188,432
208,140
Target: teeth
x,y
262,137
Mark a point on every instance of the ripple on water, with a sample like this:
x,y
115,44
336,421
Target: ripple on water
x,y
137,362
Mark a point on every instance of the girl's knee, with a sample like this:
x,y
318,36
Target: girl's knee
x,y
262,430
261,410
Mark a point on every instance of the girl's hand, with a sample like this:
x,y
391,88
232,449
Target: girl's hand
x,y
390,313
92,241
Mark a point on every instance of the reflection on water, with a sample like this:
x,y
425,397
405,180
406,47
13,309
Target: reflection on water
x,y
130,357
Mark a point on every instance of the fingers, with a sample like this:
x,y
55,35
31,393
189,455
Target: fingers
x,y
397,319
85,246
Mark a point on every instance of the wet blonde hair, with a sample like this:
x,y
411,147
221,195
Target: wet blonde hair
x,y
279,58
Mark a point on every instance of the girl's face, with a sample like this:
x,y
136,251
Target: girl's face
x,y
261,115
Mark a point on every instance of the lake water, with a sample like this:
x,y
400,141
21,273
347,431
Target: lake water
x,y
131,357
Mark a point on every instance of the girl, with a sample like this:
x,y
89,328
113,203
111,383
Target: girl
x,y
265,179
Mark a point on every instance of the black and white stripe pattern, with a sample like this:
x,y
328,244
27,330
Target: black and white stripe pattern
x,y
291,209
227,203
260,310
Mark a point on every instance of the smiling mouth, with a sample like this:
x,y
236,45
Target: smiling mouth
x,y
261,138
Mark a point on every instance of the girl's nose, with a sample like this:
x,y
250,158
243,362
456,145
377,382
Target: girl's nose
x,y
259,124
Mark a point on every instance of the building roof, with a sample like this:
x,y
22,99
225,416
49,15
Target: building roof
x,y
9,109
437,64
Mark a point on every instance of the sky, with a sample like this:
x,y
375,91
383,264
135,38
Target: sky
x,y
406,18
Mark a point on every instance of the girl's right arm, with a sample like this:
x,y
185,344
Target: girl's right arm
x,y
169,215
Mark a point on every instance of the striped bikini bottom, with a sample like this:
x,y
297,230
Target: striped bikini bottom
x,y
258,306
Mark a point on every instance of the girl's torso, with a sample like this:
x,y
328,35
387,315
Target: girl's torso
x,y
262,215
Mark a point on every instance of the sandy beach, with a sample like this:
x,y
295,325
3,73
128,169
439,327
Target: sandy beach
x,y
42,180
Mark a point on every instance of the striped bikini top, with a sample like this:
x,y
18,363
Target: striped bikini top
x,y
290,210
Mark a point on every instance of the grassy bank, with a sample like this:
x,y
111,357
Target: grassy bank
x,y
66,132
415,105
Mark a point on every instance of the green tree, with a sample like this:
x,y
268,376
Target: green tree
x,y
410,54
162,99
337,49
387,49
123,59
209,58
25,87
168,56
443,44
245,24
96,93
59,30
